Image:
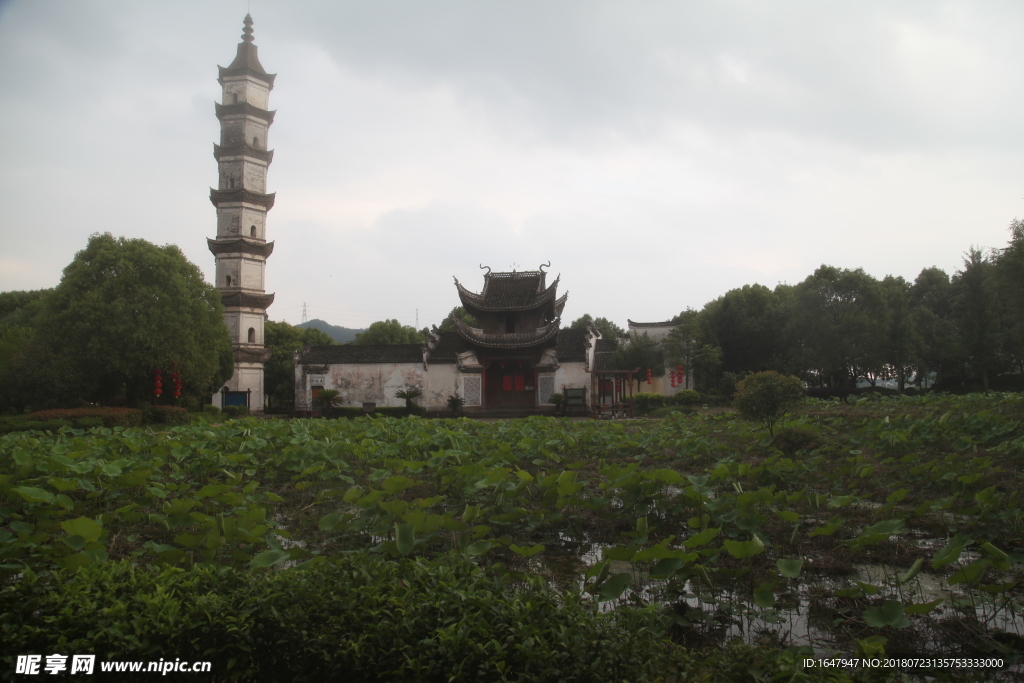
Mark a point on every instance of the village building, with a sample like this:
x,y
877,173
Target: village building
x,y
511,363
241,247
665,384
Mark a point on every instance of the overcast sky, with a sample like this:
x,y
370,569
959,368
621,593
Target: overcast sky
x,y
657,153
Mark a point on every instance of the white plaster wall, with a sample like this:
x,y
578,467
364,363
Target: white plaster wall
x,y
252,273
253,320
374,382
233,221
249,90
228,266
256,128
255,176
443,380
231,319
572,376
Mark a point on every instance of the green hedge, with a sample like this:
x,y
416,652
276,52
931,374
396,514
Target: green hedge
x,y
646,402
169,415
112,417
353,618
235,411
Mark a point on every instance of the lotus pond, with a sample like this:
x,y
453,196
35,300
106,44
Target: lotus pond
x,y
889,525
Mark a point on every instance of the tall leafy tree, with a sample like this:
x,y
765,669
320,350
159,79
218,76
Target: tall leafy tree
x,y
901,345
837,318
458,313
126,307
687,345
284,341
640,353
932,310
747,324
976,312
389,332
1009,274
609,330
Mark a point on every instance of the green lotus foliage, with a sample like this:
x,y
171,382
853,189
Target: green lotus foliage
x,y
702,502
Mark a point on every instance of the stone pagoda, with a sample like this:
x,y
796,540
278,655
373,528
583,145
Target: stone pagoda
x,y
241,247
515,345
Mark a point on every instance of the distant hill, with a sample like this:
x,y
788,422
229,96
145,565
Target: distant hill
x,y
338,334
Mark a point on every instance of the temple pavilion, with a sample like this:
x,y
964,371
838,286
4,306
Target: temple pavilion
x,y
511,362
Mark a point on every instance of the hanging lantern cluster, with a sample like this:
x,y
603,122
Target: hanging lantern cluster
x,y
649,380
677,376
158,383
176,380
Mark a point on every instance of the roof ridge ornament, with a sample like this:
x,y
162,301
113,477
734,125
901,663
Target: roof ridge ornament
x,y
542,266
482,266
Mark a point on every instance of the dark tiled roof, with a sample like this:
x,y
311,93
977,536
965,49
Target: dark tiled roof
x,y
447,349
243,109
509,292
666,323
246,61
219,197
572,346
603,352
520,340
342,354
246,300
248,354
242,151
240,245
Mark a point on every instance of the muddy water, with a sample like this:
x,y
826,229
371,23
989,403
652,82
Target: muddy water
x,y
806,613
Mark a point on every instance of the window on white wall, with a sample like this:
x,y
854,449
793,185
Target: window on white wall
x,y
252,335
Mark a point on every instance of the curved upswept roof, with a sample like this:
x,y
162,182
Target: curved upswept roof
x,y
509,292
509,340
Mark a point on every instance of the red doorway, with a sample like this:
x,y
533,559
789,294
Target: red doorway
x,y
511,383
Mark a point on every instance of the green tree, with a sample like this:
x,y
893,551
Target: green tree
x,y
747,325
976,312
458,313
837,322
284,341
609,330
1009,275
766,396
389,332
939,346
688,345
901,343
21,308
125,308
640,353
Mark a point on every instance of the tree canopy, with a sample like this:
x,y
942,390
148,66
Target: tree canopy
x,y
458,313
609,330
123,309
389,332
284,340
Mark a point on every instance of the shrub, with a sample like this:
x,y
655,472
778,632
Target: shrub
x,y
791,439
168,415
209,409
686,397
88,422
644,403
235,411
455,403
767,396
557,399
112,417
355,617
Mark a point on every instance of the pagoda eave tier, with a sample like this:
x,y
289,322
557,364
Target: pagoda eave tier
x,y
240,245
251,355
227,72
243,109
500,296
246,300
219,197
513,340
242,151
